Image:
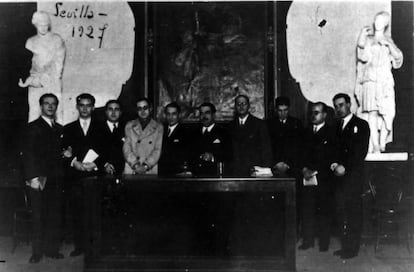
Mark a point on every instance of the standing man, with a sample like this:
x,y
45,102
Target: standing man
x,y
352,134
143,141
43,165
113,139
174,152
250,138
211,144
316,186
83,136
285,133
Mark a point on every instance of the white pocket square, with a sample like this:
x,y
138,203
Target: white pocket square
x,y
355,129
176,141
216,141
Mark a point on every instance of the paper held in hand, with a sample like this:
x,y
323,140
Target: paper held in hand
x,y
91,156
312,181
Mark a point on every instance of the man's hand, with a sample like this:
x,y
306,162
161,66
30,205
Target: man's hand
x,y
78,166
109,169
339,170
67,153
281,167
307,173
89,166
140,169
207,156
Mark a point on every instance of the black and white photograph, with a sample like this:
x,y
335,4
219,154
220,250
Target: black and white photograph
x,y
207,136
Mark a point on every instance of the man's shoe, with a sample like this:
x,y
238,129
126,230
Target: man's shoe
x,y
305,246
35,258
349,254
76,252
55,255
338,252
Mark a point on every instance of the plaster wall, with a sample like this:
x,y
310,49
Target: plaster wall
x,y
321,44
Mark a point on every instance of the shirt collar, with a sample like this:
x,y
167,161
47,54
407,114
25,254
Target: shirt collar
x,y
112,125
318,127
48,120
243,120
209,128
172,128
346,120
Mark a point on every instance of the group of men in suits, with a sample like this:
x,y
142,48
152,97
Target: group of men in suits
x,y
334,155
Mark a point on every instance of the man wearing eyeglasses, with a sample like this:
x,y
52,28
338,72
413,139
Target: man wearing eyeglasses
x,y
315,188
250,138
143,141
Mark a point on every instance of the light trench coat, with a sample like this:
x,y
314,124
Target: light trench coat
x,y
142,146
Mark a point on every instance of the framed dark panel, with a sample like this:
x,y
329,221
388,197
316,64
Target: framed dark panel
x,y
210,52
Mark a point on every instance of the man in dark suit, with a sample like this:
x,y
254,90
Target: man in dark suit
x,y
316,199
285,133
82,136
210,149
113,139
211,144
43,165
352,136
175,141
250,138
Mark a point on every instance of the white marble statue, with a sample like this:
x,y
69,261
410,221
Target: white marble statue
x,y
47,65
376,56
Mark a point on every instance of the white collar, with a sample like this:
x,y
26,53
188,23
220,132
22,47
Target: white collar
x,y
243,120
112,125
318,127
209,128
87,120
171,128
48,120
346,120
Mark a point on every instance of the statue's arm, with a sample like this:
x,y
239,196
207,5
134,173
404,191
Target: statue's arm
x,y
396,54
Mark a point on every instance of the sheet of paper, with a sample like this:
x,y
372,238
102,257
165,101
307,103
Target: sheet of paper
x,y
91,156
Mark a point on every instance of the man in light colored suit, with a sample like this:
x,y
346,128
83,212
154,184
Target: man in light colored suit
x,y
143,141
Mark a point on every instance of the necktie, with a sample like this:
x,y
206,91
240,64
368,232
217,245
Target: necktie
x,y
84,128
342,124
169,132
52,123
241,122
205,130
315,129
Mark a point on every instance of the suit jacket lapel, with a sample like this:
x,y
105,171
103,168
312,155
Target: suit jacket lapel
x,y
149,129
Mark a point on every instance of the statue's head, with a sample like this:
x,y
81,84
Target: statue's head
x,y
41,21
382,21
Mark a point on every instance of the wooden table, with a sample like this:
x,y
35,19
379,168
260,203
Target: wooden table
x,y
154,184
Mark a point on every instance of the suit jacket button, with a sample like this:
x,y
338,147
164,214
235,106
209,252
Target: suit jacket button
x,y
150,142
139,141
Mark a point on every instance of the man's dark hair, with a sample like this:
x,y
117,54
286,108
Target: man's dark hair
x,y
173,105
342,95
85,96
324,106
111,102
210,105
46,95
144,99
244,96
282,100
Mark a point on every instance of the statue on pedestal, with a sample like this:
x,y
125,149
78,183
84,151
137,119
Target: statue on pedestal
x,y
377,54
47,65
